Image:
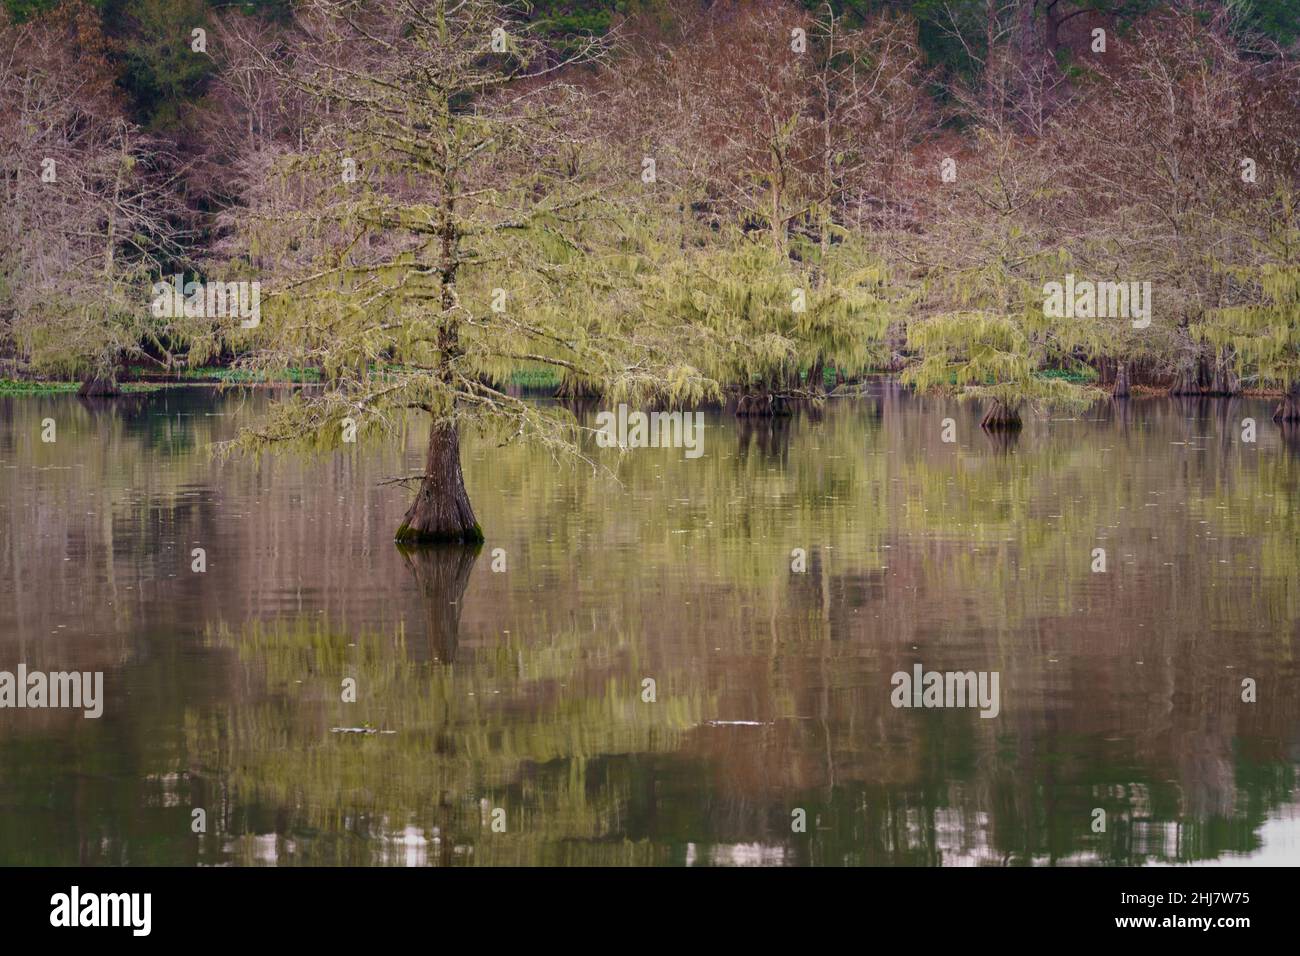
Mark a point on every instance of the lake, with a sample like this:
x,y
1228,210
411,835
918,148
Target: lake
x,y
689,664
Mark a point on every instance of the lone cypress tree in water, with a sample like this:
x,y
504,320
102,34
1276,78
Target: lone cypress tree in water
x,y
439,223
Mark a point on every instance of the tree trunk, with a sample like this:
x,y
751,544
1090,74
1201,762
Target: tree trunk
x,y
1028,44
1121,389
1225,380
1001,417
762,403
817,375
441,512
1187,382
99,385
1289,408
1105,370
754,404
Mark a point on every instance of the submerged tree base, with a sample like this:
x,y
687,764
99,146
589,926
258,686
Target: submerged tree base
x,y
1288,410
762,405
1001,417
1215,378
1122,387
441,512
410,534
99,387
1225,383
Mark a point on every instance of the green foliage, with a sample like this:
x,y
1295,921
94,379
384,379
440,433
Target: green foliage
x,y
1078,374
713,304
243,376
22,10
562,18
1262,327
983,331
758,317
158,69
991,355
9,386
1277,20
535,378
471,245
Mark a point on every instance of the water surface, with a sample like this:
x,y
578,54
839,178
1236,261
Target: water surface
x,y
522,689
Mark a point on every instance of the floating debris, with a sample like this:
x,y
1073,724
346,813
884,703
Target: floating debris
x,y
359,730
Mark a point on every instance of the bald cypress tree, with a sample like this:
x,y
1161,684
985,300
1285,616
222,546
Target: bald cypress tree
x,y
1262,325
441,222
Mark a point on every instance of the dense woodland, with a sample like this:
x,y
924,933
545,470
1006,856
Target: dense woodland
x,y
659,202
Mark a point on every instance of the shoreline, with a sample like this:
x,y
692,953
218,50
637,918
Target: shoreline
x,y
146,384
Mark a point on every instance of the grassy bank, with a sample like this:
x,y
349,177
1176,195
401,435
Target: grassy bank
x,y
10,386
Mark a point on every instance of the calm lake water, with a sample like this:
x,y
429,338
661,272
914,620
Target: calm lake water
x,y
522,689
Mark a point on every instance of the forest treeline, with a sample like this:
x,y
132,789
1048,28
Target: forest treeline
x,y
665,201
160,80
